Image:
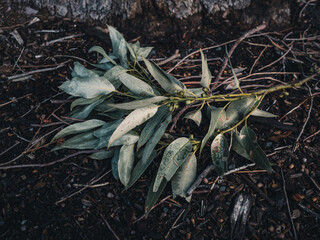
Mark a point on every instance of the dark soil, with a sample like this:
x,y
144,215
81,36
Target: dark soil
x,y
53,202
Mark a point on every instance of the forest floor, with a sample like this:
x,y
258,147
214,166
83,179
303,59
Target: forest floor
x,y
46,195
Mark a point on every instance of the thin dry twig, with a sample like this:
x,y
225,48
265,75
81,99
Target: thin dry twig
x,y
174,56
175,222
63,38
109,227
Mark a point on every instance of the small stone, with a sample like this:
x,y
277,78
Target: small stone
x,y
271,228
110,195
291,166
260,185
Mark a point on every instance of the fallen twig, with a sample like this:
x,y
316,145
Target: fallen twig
x,y
63,38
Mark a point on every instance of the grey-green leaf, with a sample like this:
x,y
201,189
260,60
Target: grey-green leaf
x,y
169,83
136,86
78,128
138,103
82,113
83,101
237,147
113,75
155,138
239,109
195,116
220,154
152,196
192,92
248,140
125,164
261,113
102,155
139,169
122,53
84,140
174,155
134,119
114,163
184,178
80,71
152,125
206,74
107,129
103,53
217,118
89,87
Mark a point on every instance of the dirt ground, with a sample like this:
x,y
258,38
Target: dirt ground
x,y
45,195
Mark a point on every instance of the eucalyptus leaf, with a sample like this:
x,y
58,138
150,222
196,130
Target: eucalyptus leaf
x,y
136,86
237,147
84,140
125,164
139,169
116,38
155,138
195,116
107,129
88,87
217,118
78,128
184,178
102,155
138,103
122,53
103,53
261,113
134,119
152,197
220,154
248,140
174,155
114,163
206,74
113,75
85,112
194,92
83,101
152,125
235,84
169,83
80,71
239,109
138,52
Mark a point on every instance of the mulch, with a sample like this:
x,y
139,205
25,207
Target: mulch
x,y
46,195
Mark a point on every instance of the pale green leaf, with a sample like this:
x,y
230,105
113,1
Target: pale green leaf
x,y
184,178
174,155
136,86
138,52
138,103
152,196
220,154
82,113
102,155
89,87
80,71
248,140
152,125
217,118
114,163
261,113
125,164
139,169
103,53
192,92
155,138
83,101
206,74
134,119
78,128
84,140
195,116
116,38
113,75
122,53
169,83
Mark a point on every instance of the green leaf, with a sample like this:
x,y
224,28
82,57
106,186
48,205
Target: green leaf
x,y
78,128
239,109
80,71
136,86
134,119
248,140
139,169
235,83
195,116
138,52
169,83
83,101
102,155
220,154
237,147
113,75
206,74
85,112
107,129
103,53
127,139
84,140
174,155
138,103
184,178
116,38
114,163
194,91
155,138
152,196
122,53
153,124
261,113
89,87
217,118
125,164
